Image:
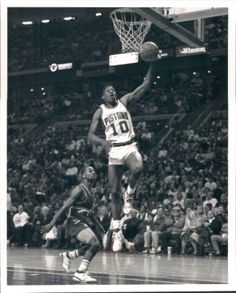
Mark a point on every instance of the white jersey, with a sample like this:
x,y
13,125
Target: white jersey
x,y
117,122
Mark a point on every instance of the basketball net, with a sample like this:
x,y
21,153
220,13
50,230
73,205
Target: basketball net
x,y
130,27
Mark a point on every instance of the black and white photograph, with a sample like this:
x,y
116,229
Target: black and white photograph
x,y
117,133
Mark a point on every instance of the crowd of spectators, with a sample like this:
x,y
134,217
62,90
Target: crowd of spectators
x,y
60,41
216,32
38,45
178,92
182,191
34,106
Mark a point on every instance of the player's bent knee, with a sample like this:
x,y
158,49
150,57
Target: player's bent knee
x,y
95,248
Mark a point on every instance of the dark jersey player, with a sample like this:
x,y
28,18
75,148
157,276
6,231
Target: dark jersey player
x,y
120,141
78,207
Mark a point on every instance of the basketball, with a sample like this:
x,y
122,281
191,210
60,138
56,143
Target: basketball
x,y
149,51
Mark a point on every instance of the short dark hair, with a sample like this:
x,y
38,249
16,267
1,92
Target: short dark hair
x,y
84,167
105,86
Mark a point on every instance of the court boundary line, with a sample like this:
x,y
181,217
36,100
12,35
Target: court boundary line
x,y
164,280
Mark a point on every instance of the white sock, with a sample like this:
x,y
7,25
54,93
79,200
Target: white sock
x,y
73,254
83,266
130,190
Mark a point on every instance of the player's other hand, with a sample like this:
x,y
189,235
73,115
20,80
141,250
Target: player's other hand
x,y
46,228
107,146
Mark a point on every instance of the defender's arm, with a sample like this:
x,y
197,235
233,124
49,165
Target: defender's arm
x,y
74,194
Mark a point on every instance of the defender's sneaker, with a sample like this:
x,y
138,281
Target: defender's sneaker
x,y
83,277
66,262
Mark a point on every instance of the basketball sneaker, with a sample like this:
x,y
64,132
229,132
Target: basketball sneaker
x,y
66,262
158,249
128,197
153,250
83,277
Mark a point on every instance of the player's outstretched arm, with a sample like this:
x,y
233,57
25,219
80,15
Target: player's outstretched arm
x,y
59,213
141,90
92,137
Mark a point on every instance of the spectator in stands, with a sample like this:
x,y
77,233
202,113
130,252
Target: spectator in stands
x,y
203,230
23,228
207,208
221,213
220,239
154,229
191,231
180,201
214,223
211,184
164,236
200,213
104,217
224,200
132,229
210,199
175,230
46,217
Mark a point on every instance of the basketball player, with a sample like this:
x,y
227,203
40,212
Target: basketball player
x,y
120,141
79,205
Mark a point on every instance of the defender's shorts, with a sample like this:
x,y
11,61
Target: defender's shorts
x,y
83,230
75,228
118,154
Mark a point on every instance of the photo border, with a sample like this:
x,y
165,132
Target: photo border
x,y
231,148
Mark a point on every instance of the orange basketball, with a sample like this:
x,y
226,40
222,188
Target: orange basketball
x,y
149,52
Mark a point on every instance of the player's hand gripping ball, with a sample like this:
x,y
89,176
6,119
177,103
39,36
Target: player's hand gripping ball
x,y
149,52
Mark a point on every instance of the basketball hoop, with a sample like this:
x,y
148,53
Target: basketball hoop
x,y
130,27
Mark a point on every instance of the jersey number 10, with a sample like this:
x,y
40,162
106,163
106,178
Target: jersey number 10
x,y
123,127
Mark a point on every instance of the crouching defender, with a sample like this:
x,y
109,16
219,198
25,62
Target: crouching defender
x,y
80,224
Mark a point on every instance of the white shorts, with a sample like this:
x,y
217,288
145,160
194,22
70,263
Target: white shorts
x,y
118,154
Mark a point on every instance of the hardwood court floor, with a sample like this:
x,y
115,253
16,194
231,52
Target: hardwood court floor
x,y
30,266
